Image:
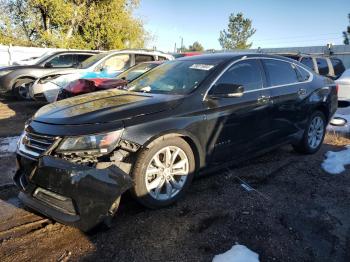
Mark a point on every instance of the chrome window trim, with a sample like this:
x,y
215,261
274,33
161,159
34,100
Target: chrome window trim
x,y
264,88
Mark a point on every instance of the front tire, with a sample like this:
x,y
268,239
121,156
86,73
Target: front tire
x,y
162,172
21,88
313,135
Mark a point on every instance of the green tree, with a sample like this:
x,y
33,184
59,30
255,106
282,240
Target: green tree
x,y
196,47
346,34
92,24
238,32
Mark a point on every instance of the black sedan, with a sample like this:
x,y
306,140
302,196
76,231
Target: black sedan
x,y
76,157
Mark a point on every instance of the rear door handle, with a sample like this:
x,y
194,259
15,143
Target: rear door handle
x,y
264,99
302,92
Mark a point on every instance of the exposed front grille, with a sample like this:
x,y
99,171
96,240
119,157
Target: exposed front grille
x,y
33,145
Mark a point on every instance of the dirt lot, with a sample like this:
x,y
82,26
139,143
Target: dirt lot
x,y
297,213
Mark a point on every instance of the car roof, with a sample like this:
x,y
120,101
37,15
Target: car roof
x,y
140,51
226,56
75,52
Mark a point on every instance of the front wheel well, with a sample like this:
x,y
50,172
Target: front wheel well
x,y
22,78
324,110
187,139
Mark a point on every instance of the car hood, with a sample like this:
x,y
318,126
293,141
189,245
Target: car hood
x,y
105,106
16,67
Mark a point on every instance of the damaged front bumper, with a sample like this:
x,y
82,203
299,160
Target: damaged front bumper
x,y
70,193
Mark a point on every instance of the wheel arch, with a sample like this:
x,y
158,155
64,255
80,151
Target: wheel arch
x,y
14,81
189,139
324,109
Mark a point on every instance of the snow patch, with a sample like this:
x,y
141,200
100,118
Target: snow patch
x,y
335,162
8,145
238,253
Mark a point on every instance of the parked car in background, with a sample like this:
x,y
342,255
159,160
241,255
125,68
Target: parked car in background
x,y
104,65
331,67
77,156
343,83
18,78
50,91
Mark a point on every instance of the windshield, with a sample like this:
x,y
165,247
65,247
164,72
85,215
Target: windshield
x,y
44,56
173,77
135,71
92,60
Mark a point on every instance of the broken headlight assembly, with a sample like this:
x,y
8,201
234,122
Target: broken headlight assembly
x,y
92,144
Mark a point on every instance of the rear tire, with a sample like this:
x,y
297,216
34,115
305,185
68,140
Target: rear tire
x,y
162,172
21,88
313,135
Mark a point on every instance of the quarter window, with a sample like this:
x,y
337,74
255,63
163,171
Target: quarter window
x,y
162,58
322,66
143,58
303,75
308,62
245,73
280,72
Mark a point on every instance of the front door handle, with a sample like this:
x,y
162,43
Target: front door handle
x,y
302,92
264,99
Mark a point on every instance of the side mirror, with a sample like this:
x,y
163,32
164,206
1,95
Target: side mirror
x,y
226,91
48,65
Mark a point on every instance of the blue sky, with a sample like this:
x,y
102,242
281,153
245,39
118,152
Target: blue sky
x,y
280,23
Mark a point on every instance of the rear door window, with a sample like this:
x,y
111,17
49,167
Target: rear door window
x,y
308,62
322,66
82,57
246,73
66,60
143,58
338,66
280,72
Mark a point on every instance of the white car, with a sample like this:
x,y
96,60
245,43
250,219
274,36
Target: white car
x,y
340,123
343,83
104,65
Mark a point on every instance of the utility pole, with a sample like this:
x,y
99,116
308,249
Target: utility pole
x,y
182,44
175,51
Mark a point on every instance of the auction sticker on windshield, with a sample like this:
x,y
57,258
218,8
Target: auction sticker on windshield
x,y
202,67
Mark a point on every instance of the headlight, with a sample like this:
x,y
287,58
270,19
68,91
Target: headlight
x,y
99,143
5,72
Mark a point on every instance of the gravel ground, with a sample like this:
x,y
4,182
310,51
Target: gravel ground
x,y
297,212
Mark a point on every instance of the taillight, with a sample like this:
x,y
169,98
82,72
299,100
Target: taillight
x,y
337,88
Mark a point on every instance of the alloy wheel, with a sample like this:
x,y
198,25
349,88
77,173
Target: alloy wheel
x,y
315,132
166,173
23,90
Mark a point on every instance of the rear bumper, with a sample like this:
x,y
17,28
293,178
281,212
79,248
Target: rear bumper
x,y
72,194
